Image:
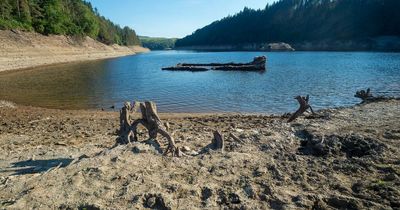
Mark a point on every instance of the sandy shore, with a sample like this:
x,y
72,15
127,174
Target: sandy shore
x,y
19,50
341,159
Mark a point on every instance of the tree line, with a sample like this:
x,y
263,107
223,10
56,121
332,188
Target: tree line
x,y
295,21
63,17
156,43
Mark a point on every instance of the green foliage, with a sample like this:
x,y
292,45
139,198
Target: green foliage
x,y
66,17
295,21
154,43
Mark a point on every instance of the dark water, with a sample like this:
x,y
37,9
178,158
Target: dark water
x,y
331,79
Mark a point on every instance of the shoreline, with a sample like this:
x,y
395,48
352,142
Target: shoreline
x,y
28,50
60,159
11,104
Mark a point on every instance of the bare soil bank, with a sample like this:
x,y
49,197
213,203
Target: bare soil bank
x,y
343,159
380,44
20,50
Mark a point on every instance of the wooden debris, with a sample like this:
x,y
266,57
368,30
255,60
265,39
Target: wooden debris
x,y
151,121
304,106
125,131
237,139
185,68
258,64
364,95
217,142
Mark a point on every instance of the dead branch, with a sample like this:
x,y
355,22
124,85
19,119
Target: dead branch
x,y
237,139
304,106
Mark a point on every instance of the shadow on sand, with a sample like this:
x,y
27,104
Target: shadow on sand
x,y
36,166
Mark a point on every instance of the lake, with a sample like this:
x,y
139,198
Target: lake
x,y
330,78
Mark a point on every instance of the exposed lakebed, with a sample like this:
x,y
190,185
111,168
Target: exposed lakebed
x,y
331,79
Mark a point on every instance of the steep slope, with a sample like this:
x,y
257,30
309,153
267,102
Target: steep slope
x,y
28,49
307,24
63,17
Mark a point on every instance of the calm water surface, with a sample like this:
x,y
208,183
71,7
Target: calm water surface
x,y
331,79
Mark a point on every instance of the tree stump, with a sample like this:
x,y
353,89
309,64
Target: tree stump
x,y
303,101
125,131
364,95
153,124
217,142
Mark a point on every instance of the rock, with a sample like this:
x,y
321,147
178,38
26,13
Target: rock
x,y
391,135
339,202
156,201
186,149
206,193
234,198
7,104
351,145
260,172
88,207
279,46
391,177
249,191
145,148
151,202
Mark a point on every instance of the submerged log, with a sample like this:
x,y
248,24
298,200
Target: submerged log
x,y
303,102
241,68
185,68
258,64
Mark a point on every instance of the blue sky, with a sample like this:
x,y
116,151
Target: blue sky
x,y
170,18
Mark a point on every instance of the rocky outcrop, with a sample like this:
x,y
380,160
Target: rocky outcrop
x,y
280,46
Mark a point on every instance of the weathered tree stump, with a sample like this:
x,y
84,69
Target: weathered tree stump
x,y
125,131
217,142
364,95
153,124
304,106
150,120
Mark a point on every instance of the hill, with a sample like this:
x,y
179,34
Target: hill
x,y
63,17
19,50
307,24
157,43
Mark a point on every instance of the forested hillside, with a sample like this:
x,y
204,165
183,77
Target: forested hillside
x,y
64,17
296,21
156,43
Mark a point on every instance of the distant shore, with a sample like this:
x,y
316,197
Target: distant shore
x,y
378,44
21,50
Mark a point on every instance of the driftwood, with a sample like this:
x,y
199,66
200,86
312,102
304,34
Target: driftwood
x,y
151,121
367,97
304,106
237,139
258,64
